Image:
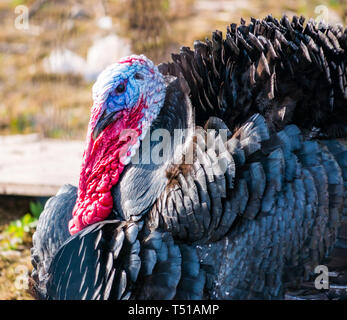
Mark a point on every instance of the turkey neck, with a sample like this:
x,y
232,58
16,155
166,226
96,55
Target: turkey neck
x,y
141,183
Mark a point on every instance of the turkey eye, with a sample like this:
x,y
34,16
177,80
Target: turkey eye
x,y
120,88
139,76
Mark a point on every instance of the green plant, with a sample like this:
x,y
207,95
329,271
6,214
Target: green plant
x,y
15,3
36,208
20,231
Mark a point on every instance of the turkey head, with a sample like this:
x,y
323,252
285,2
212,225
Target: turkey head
x,y
127,97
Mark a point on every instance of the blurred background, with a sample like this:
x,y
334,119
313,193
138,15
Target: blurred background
x,y
47,67
51,52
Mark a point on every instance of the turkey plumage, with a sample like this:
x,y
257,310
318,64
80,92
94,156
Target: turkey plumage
x,y
248,201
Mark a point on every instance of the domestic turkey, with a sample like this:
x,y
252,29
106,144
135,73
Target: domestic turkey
x,y
246,219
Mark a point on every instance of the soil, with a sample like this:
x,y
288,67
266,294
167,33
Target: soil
x,y
15,265
12,208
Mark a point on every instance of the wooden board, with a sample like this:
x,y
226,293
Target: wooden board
x,y
32,166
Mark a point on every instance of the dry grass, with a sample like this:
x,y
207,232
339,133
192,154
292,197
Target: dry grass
x,y
14,264
58,106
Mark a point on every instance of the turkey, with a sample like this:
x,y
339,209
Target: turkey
x,y
245,194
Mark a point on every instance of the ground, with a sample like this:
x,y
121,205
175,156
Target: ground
x,y
14,264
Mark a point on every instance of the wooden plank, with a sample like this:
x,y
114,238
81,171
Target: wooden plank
x,y
33,166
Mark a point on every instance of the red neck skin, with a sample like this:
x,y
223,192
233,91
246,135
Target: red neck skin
x,y
102,166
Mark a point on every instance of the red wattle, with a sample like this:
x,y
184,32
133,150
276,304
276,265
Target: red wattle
x,y
102,165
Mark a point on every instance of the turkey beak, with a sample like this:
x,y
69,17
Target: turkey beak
x,y
105,120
